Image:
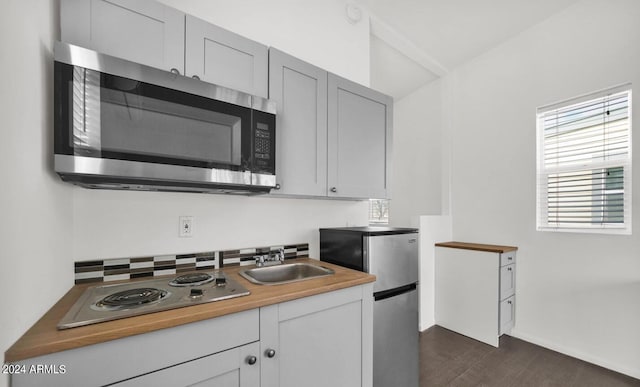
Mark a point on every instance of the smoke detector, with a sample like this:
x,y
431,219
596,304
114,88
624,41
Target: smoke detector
x,y
354,13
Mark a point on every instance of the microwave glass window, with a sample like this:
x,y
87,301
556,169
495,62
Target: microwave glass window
x,y
85,95
125,117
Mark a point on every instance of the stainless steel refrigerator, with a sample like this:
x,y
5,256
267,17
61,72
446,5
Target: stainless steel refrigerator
x,y
391,254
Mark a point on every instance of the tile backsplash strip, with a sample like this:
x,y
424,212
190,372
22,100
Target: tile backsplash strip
x,y
129,268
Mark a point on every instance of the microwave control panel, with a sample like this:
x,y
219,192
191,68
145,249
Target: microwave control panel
x,y
264,144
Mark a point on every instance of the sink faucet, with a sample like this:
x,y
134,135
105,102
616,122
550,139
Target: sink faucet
x,y
268,259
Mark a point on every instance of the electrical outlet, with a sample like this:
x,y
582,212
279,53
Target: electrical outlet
x,y
186,226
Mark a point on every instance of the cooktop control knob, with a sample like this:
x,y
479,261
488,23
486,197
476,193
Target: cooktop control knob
x,y
221,281
195,292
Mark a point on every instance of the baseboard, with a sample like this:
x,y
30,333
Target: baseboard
x,y
634,373
423,328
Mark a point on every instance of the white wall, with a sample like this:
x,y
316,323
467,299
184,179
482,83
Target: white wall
x,y
109,224
433,229
36,263
576,293
47,225
417,156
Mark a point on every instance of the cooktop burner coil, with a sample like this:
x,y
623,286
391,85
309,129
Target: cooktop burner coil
x,y
132,298
192,279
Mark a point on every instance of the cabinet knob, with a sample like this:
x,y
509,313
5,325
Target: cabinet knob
x,y
510,258
195,77
270,352
509,269
251,360
334,189
509,302
175,71
277,186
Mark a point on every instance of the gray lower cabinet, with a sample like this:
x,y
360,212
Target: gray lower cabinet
x,y
222,57
300,92
131,357
230,368
142,31
321,340
334,135
359,136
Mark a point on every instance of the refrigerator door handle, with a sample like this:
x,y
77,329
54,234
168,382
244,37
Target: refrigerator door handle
x,y
383,294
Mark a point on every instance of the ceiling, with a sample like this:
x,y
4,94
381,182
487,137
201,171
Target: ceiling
x,y
442,34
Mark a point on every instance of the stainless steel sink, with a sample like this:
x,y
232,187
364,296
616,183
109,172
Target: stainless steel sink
x,y
285,273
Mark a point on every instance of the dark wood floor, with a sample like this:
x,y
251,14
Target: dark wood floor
x,y
450,359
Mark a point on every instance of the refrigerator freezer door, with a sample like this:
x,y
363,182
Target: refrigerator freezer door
x,y
393,259
395,341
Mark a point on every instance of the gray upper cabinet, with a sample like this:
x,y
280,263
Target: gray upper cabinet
x,y
222,57
359,140
142,31
300,92
334,135
151,33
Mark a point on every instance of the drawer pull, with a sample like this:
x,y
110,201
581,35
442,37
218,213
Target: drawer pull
x,y
510,258
510,269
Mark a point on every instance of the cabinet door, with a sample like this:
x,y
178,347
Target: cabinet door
x,y
507,281
507,314
359,140
225,369
142,31
219,56
318,341
300,92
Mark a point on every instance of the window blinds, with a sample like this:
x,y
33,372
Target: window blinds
x,y
584,163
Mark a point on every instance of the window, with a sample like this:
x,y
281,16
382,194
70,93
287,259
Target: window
x,y
378,211
584,163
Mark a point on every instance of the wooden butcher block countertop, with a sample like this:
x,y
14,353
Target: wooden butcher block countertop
x,y
477,247
44,338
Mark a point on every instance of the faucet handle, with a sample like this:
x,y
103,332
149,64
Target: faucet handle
x,y
259,259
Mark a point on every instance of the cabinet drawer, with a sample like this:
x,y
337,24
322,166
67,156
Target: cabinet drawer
x,y
507,281
508,258
507,314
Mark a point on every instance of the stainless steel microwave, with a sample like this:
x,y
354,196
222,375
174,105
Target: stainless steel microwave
x,y
122,125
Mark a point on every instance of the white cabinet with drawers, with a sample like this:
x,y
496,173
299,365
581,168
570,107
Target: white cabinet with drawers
x,y
475,286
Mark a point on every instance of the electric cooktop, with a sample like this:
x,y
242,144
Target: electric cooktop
x,y
111,302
